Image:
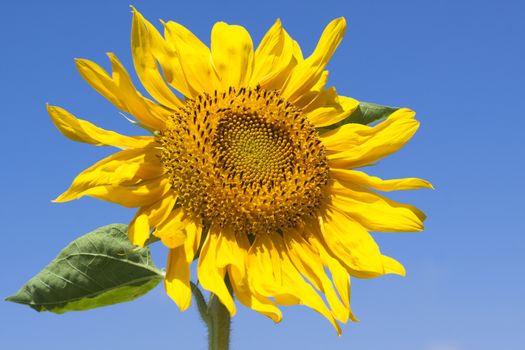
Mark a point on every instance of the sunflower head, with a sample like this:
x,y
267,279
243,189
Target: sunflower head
x,y
238,171
245,159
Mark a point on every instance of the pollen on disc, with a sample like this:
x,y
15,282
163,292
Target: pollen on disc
x,y
245,158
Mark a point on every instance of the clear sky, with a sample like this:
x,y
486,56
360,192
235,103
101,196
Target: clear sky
x,y
459,64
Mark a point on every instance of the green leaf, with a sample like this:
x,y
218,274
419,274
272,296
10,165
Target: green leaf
x,y
367,113
98,269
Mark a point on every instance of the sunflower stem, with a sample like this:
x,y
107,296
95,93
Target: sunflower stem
x,y
216,317
218,325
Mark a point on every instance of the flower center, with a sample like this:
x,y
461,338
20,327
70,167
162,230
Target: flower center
x,y
245,158
252,149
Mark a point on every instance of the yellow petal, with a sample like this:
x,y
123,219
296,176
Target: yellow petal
x,y
350,243
211,276
273,58
307,73
132,196
359,178
194,58
171,66
308,263
171,230
276,81
231,251
328,108
340,277
298,291
264,272
193,238
359,145
304,258
271,273
180,230
320,84
393,266
150,217
177,279
146,43
339,140
375,212
306,295
255,301
120,91
308,99
83,131
122,168
240,284
337,270
232,53
143,194
139,229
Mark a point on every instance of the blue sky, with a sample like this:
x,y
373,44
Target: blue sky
x,y
459,64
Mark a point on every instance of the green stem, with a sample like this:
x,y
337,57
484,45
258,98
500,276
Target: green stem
x,y
216,317
219,325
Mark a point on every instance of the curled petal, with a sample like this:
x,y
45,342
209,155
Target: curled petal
x,y
211,274
125,168
241,286
131,196
273,274
274,58
171,231
308,72
120,91
350,243
375,212
83,131
308,262
328,108
355,145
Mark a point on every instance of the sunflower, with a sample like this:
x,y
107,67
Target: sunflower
x,y
235,172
